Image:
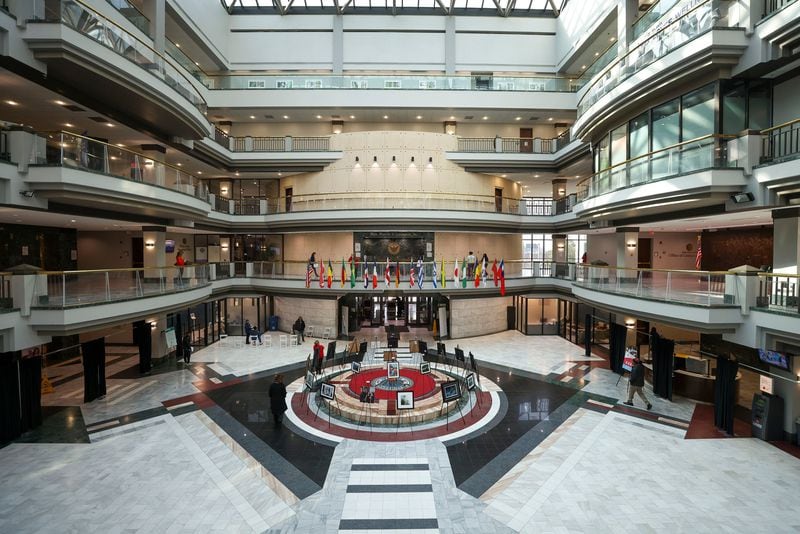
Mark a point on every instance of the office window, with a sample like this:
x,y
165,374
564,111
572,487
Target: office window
x,y
666,125
734,108
602,155
759,103
619,144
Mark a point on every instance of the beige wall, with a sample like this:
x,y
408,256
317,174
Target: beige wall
x,y
440,176
452,245
323,128
318,313
333,246
478,317
669,249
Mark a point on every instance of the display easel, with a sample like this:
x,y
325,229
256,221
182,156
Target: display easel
x,y
447,413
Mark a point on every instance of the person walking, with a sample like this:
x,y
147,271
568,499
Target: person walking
x,y
471,261
277,400
186,348
319,355
636,383
299,329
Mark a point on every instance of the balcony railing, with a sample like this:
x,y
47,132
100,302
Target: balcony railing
x,y
391,82
392,200
66,289
708,152
64,149
780,142
272,144
779,292
686,28
773,6
701,288
653,14
89,23
513,145
132,13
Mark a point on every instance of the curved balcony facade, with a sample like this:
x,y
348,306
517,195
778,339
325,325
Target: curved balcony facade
x,y
702,42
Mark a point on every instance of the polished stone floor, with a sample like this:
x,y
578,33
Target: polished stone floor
x,y
194,449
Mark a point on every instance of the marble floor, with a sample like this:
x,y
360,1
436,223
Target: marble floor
x,y
194,449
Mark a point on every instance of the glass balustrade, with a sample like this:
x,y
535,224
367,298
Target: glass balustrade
x,y
653,14
392,200
132,13
84,20
664,39
391,82
76,151
701,288
781,142
708,152
81,288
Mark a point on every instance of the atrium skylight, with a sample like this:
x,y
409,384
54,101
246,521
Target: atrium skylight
x,y
504,8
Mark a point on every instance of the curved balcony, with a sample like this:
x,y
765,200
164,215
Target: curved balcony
x,y
692,174
77,170
701,300
672,51
82,48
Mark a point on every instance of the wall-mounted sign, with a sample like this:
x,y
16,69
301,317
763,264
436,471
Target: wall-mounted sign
x,y
765,384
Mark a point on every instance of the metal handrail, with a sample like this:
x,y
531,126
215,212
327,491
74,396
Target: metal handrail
x,y
779,126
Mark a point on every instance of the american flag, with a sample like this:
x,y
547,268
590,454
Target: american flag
x,y
698,259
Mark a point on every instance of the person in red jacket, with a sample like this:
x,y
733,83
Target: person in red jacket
x,y
319,355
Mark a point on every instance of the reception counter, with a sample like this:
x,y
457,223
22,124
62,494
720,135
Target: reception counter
x,y
695,386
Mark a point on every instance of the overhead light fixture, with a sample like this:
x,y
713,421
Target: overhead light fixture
x,y
430,159
178,45
583,66
121,145
517,118
59,102
337,126
386,116
352,116
12,103
199,172
109,125
286,116
550,118
596,54
356,159
319,116
419,117
252,116
485,118
68,125
739,198
180,164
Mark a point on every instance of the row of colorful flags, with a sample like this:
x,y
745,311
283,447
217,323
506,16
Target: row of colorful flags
x,y
416,274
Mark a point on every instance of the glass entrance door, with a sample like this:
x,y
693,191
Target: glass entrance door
x,y
419,310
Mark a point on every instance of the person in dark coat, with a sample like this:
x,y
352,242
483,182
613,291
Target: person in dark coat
x,y
186,348
636,383
299,329
277,400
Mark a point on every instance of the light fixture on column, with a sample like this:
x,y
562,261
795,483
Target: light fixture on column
x,y
738,198
430,159
412,159
356,159
375,159
149,244
450,127
153,325
631,244
337,126
394,159
560,246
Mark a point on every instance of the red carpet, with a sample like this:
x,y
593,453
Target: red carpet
x,y
423,384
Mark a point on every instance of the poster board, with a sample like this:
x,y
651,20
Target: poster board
x,y
627,360
169,339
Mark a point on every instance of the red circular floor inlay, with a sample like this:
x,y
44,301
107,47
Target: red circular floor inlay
x,y
423,384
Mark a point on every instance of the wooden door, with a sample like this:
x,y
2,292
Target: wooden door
x,y
526,140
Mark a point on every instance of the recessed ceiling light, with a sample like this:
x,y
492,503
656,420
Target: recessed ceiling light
x,y
59,102
280,174
237,174
352,116
196,63
452,118
486,118
612,39
597,54
535,175
502,176
319,116
109,125
68,125
583,66
72,220
180,164
178,45
517,118
550,118
386,116
252,116
199,172
286,116
12,103
577,176
419,117
120,144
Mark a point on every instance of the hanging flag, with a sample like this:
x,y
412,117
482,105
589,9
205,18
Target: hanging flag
x,y
352,273
434,276
501,271
387,273
698,259
365,273
411,280
374,275
397,273
321,274
344,273
330,273
455,272
309,270
478,274
444,277
485,271
495,276
420,273
464,273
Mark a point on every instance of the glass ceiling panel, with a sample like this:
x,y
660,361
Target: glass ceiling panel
x,y
505,8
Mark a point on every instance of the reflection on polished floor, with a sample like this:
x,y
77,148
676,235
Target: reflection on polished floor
x,y
194,450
